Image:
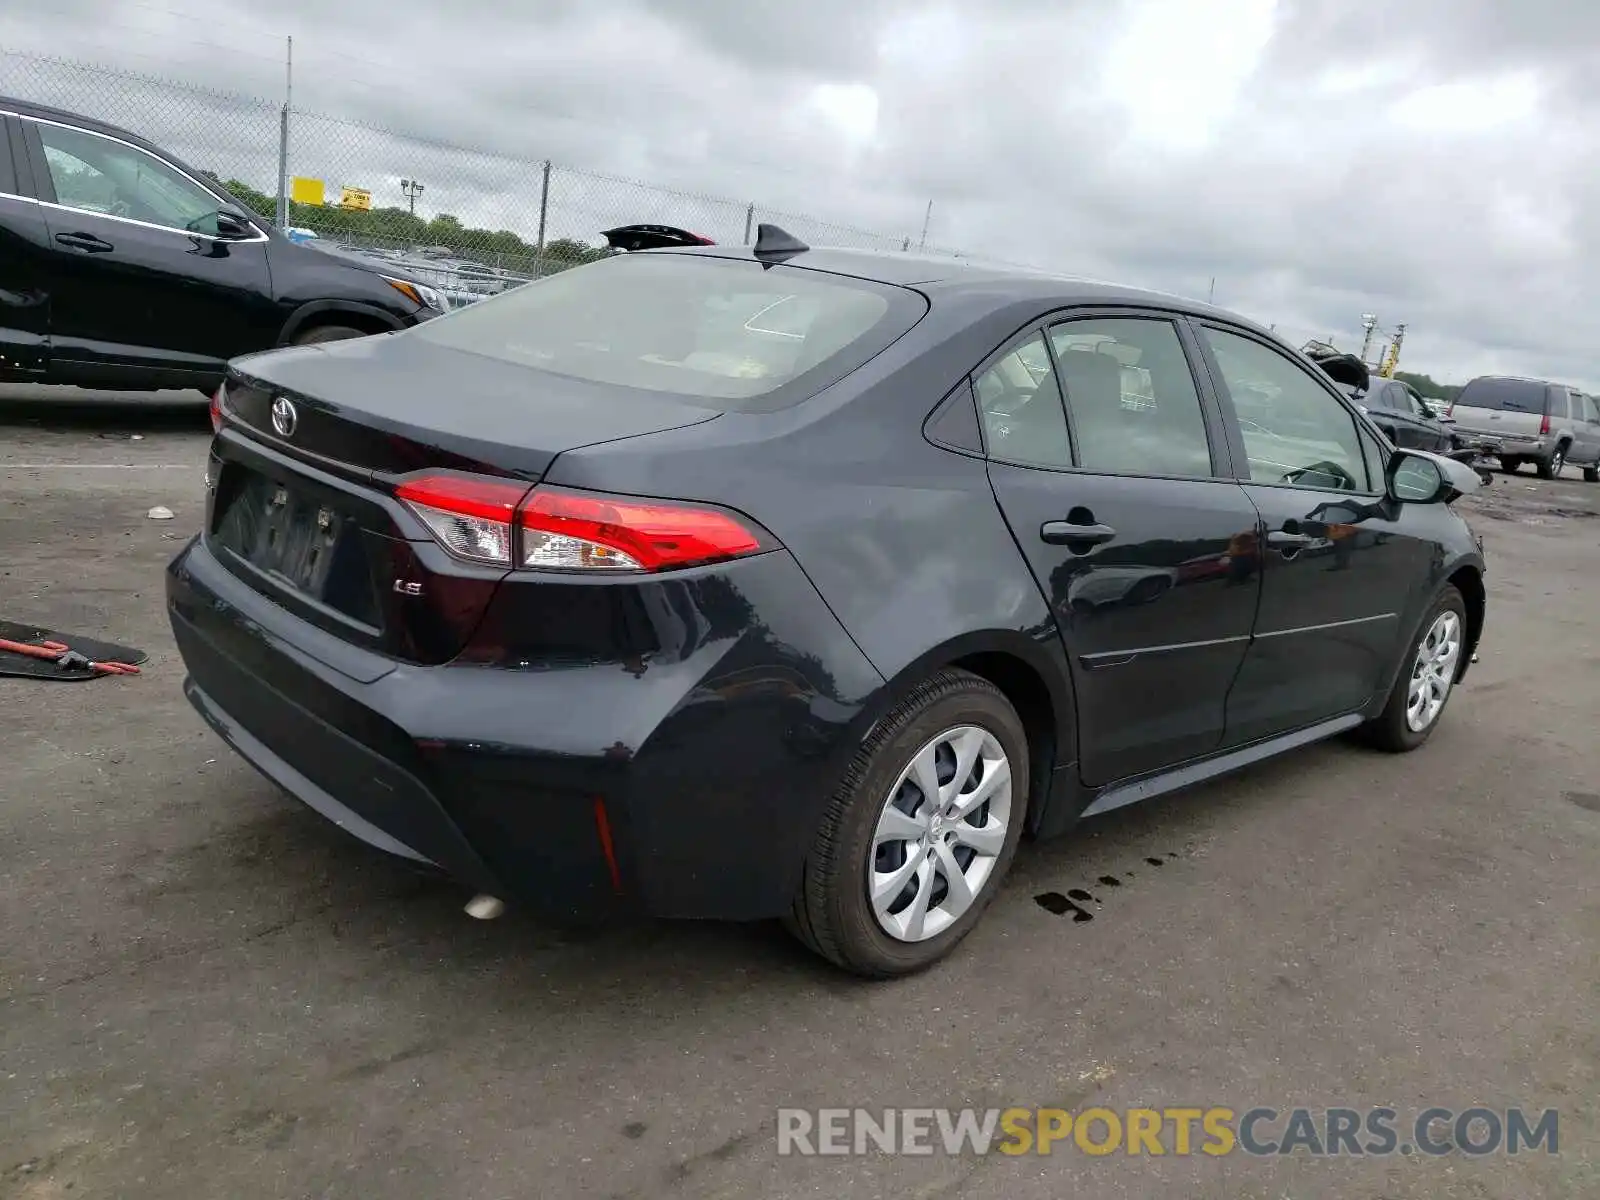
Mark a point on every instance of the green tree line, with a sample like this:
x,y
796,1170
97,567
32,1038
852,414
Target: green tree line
x,y
1427,388
399,227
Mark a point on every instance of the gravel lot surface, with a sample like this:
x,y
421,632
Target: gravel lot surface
x,y
206,991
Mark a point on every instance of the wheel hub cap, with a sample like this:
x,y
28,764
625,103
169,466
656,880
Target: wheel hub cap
x,y
940,833
1433,671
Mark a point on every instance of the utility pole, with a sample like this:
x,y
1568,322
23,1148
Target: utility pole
x,y
1211,294
1369,322
283,136
412,189
926,218
544,206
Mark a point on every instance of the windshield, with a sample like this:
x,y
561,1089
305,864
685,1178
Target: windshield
x,y
727,332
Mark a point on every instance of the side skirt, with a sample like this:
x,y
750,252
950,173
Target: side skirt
x,y
1119,795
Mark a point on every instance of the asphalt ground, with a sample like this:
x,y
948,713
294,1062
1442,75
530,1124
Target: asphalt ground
x,y
207,991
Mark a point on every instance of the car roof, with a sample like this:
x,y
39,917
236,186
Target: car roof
x,y
1529,379
935,275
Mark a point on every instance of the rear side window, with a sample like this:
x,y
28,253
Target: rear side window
x,y
1023,421
727,333
1558,402
1503,395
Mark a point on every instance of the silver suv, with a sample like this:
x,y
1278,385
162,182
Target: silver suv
x,y
1531,420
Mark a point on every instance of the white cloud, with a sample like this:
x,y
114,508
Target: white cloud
x,y
1476,106
1178,67
1436,162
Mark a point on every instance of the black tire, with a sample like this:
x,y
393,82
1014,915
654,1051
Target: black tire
x,y
326,333
1591,474
1510,465
832,913
1389,730
1550,468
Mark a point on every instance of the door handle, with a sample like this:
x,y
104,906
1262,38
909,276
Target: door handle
x,y
85,241
1065,533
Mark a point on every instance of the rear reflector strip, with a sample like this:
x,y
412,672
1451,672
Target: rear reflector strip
x,y
602,825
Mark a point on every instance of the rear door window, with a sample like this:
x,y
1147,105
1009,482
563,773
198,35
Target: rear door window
x,y
1132,398
728,334
1503,395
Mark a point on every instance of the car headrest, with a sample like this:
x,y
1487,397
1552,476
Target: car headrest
x,y
1093,381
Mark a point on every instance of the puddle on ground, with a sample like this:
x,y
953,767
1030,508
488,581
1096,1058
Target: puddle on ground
x,y
1073,901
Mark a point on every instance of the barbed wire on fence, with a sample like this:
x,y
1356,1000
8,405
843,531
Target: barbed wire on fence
x,y
472,209
469,218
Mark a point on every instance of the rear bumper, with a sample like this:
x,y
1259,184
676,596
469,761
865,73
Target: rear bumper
x,y
689,788
1521,446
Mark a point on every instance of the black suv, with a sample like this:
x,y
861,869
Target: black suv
x,y
121,267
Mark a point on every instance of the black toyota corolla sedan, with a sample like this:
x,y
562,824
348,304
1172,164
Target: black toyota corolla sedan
x,y
711,582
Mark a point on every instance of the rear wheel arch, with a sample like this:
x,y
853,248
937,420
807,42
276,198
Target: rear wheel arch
x,y
1031,678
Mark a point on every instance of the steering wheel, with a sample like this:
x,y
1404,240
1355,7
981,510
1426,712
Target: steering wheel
x,y
1347,481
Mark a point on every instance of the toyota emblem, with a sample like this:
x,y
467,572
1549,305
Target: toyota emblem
x,y
284,417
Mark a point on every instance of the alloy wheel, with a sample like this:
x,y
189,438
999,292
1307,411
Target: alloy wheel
x,y
940,832
1434,671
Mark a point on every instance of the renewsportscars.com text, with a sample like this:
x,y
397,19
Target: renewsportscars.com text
x,y
1215,1131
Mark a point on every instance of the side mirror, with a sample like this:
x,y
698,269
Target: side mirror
x,y
1418,479
232,225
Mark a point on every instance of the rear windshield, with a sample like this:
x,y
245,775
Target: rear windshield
x,y
1503,395
728,333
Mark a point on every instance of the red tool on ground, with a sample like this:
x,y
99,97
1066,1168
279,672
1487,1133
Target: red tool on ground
x,y
65,657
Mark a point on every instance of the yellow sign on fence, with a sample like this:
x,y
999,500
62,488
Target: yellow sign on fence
x,y
356,198
306,191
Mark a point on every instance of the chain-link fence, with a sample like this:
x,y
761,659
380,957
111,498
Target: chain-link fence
x,y
467,220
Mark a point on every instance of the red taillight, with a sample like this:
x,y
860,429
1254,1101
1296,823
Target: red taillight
x,y
1544,425
578,531
216,408
469,516
502,522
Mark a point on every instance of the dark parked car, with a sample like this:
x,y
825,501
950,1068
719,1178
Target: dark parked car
x,y
122,267
1397,410
741,584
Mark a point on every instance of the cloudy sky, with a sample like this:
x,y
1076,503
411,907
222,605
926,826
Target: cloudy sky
x,y
1430,161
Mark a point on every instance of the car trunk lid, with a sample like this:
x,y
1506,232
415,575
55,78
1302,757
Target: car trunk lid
x,y
303,507
384,406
